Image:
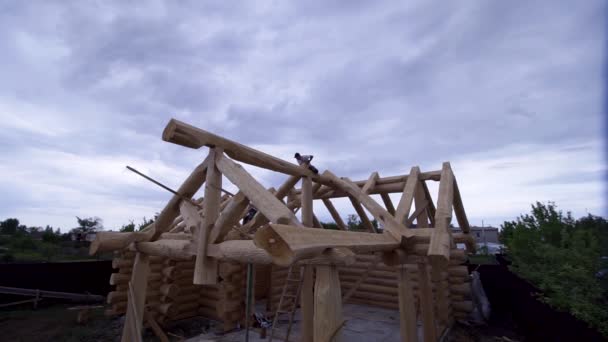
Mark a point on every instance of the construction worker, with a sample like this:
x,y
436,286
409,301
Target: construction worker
x,y
305,159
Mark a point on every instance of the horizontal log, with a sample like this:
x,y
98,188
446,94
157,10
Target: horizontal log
x,y
287,244
176,236
173,249
111,241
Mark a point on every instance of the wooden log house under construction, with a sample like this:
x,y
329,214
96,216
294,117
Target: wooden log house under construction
x,y
194,259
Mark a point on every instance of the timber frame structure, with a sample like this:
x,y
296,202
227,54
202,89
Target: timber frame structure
x,y
191,260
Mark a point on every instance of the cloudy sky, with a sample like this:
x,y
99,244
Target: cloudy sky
x,y
510,92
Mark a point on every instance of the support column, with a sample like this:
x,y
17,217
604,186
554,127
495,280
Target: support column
x,y
407,308
328,318
426,304
135,306
306,293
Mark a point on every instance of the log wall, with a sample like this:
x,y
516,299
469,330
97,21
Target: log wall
x,y
171,295
380,288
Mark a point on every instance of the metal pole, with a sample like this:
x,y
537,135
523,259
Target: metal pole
x,y
248,296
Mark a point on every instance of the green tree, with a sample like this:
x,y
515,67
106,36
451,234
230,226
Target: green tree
x,y
128,227
50,236
145,222
9,226
330,225
561,256
23,243
86,226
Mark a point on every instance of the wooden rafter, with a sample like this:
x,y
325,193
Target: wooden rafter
x,y
334,214
362,215
407,197
388,203
394,228
262,199
371,182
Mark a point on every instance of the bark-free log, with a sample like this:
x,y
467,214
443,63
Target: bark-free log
x,y
111,241
407,197
263,200
183,134
439,248
394,228
287,244
328,305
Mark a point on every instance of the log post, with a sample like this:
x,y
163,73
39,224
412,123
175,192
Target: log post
x,y
328,318
306,293
426,304
205,268
139,284
407,308
439,248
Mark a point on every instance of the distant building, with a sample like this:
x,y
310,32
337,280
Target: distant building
x,y
482,234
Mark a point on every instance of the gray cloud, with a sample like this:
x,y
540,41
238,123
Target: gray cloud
x,y
365,86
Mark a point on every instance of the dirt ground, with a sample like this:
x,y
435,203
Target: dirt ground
x,y
57,323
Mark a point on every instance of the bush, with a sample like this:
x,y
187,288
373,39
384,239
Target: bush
x,y
561,256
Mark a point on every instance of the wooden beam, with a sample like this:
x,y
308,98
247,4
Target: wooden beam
x,y
407,307
187,189
461,215
388,203
439,248
407,197
139,282
421,201
394,228
306,292
432,210
426,304
112,241
205,268
172,249
288,244
229,217
362,215
371,182
327,304
383,185
420,210
334,214
181,133
264,201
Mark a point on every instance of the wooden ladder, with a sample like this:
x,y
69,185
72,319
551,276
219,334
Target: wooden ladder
x,y
292,282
